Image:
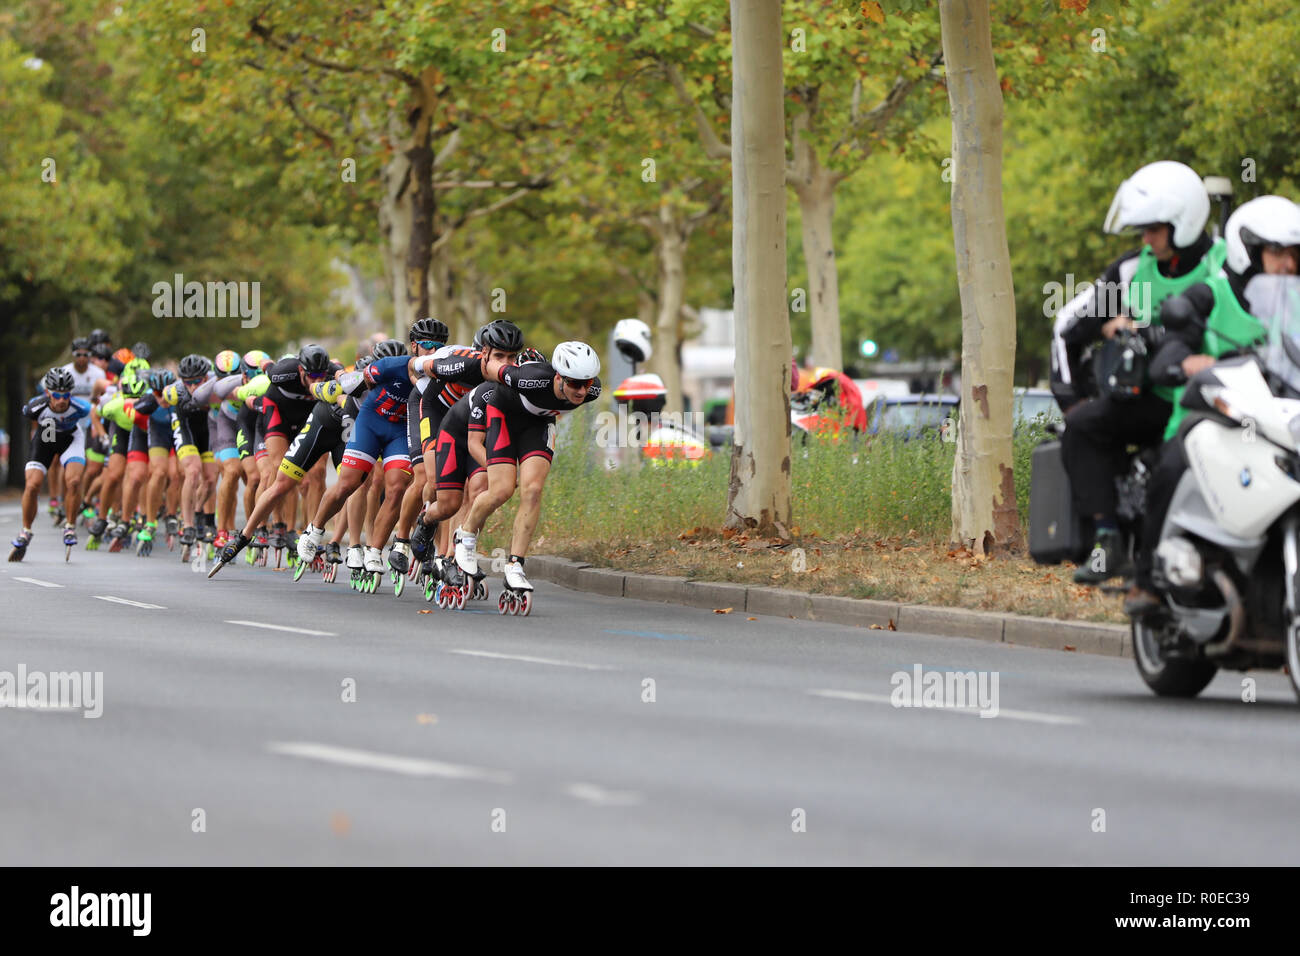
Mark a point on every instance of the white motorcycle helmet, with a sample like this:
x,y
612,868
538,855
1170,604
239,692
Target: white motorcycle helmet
x,y
576,360
1161,192
1268,219
632,337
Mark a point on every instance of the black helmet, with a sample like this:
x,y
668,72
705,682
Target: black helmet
x,y
59,379
161,378
135,386
430,328
81,344
478,337
100,350
389,348
314,359
99,336
501,335
195,366
363,362
141,351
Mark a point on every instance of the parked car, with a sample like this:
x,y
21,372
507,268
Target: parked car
x,y
911,416
1035,405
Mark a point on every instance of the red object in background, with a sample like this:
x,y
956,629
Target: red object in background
x,y
848,399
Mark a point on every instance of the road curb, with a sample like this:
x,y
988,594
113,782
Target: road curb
x,y
1110,640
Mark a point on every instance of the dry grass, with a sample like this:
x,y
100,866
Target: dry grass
x,y
897,568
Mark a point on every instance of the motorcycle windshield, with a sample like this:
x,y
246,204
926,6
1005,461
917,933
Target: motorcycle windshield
x,y
1275,301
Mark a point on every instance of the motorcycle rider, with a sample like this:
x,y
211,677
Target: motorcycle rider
x,y
1166,202
1263,237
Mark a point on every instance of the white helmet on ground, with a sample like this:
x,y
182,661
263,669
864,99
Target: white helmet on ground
x,y
1268,219
1162,192
632,337
576,360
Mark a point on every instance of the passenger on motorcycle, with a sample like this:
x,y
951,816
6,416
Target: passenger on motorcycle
x,y
1166,202
1207,321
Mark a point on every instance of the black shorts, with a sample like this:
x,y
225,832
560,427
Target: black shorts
x,y
454,464
321,435
118,439
44,452
247,428
190,435
137,446
432,412
160,434
283,416
511,441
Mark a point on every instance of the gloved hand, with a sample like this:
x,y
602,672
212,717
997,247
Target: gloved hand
x,y
328,392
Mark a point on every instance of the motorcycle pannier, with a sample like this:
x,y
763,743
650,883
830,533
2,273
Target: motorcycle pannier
x,y
1056,532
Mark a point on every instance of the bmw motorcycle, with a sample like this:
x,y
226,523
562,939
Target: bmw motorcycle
x,y
1227,566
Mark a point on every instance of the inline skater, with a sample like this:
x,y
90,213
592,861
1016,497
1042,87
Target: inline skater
x,y
457,370
57,434
425,338
380,432
520,443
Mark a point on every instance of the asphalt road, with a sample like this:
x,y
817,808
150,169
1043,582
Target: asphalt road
x,y
480,739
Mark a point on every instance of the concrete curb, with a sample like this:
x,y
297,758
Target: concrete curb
x,y
1111,640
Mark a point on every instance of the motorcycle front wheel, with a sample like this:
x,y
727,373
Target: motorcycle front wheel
x,y
1168,678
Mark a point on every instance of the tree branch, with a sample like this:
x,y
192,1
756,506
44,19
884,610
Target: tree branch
x,y
268,35
714,146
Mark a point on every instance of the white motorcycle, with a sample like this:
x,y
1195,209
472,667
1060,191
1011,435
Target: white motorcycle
x,y
1227,566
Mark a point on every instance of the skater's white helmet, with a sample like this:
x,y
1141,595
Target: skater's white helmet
x,y
1162,192
576,360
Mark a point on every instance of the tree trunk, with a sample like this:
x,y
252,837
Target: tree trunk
x,y
442,289
395,226
667,358
984,515
758,499
423,205
814,186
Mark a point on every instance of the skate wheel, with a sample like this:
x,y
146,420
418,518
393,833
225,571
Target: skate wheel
x,y
279,554
503,603
514,605
68,553
460,599
413,572
399,585
527,605
185,554
428,591
298,571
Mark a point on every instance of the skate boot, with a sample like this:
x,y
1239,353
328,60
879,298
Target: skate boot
x,y
144,540
421,537
69,541
309,542
230,552
20,544
356,567
466,551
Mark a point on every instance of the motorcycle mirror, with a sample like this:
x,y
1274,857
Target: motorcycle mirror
x,y
1177,314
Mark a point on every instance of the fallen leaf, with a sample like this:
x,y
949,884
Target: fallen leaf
x,y
723,610
424,611
426,718
1070,647
891,625
751,619
339,821
876,627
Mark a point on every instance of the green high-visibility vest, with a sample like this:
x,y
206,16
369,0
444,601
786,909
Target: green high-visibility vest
x,y
1228,327
1148,289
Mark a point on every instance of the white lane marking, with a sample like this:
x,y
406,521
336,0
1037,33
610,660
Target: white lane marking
x,y
118,600
410,766
535,660
601,797
1030,715
281,627
39,583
